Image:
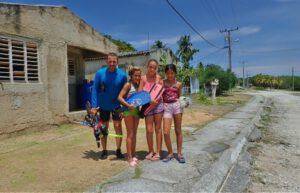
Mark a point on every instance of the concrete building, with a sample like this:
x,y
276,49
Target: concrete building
x,y
42,54
138,58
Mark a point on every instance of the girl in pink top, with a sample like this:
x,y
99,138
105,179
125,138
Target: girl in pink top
x,y
172,110
154,118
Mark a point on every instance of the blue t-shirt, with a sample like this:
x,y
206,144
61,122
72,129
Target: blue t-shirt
x,y
107,86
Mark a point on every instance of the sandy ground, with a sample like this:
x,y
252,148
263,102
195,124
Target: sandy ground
x,y
66,158
276,165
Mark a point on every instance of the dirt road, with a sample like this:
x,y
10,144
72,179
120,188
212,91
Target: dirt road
x,y
276,166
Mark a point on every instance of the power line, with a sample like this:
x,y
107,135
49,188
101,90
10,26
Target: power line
x,y
233,13
217,12
206,6
212,53
209,54
267,51
190,25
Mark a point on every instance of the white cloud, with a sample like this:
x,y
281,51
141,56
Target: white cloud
x,y
247,30
210,35
167,40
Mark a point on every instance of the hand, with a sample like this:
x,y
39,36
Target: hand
x,y
154,103
132,106
94,111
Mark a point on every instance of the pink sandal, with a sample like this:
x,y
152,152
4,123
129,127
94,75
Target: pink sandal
x,y
155,157
149,156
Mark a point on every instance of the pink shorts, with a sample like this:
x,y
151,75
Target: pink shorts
x,y
157,110
171,109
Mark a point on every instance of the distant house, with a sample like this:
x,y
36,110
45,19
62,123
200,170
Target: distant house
x,y
138,58
42,54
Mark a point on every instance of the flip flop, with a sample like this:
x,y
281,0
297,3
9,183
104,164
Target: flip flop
x,y
149,156
155,157
167,159
181,160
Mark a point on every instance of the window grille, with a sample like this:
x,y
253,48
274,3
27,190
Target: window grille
x,y
71,68
18,61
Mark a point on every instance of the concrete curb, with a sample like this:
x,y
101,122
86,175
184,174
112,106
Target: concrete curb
x,y
213,181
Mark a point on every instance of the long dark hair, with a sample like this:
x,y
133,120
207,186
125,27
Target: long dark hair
x,y
171,67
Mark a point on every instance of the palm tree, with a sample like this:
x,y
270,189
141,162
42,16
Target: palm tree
x,y
158,44
185,51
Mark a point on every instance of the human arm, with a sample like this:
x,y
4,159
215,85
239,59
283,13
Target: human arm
x,y
179,86
124,92
141,84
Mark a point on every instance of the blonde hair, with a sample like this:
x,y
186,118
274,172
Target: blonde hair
x,y
132,69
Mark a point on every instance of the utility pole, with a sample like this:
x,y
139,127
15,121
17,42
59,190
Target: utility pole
x,y
293,78
243,74
247,79
228,38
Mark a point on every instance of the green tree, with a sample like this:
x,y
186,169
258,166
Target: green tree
x,y
185,53
158,44
226,79
163,63
185,50
122,45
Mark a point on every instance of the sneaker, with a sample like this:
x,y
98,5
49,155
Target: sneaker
x,y
104,155
119,154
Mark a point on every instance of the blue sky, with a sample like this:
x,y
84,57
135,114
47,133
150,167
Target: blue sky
x,y
268,39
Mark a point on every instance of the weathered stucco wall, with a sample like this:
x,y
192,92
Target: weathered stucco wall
x,y
24,105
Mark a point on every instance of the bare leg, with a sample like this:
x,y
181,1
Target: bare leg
x,y
104,138
177,122
149,132
167,127
158,131
135,127
118,130
129,127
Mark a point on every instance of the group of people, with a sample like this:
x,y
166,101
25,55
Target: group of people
x,y
110,90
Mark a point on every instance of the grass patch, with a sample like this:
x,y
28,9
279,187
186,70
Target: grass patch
x,y
201,98
137,172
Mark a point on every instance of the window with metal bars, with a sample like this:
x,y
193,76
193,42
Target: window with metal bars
x,y
18,61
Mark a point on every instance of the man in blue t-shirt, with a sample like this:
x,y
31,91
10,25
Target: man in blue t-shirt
x,y
107,84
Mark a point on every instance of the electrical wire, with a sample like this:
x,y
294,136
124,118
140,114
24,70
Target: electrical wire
x,y
267,51
211,12
209,54
233,13
181,16
215,7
